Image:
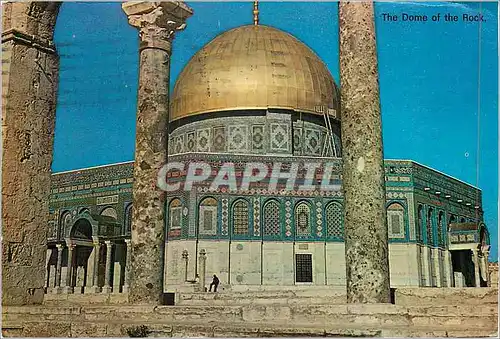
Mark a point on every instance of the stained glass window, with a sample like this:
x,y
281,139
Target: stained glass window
x,y
272,225
395,219
430,235
207,217
334,220
175,214
420,223
302,219
440,226
240,217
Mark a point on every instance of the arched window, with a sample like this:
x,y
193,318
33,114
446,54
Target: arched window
x,y
420,223
334,220
453,219
303,219
430,234
395,220
109,212
441,229
207,217
83,210
128,218
272,225
82,230
240,217
64,223
175,214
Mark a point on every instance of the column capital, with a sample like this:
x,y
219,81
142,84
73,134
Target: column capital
x,y
127,241
60,247
108,243
157,21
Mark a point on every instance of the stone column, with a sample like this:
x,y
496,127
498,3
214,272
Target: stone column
x,y
185,257
95,267
107,282
47,268
157,22
29,85
69,273
203,267
475,260
57,287
127,266
366,242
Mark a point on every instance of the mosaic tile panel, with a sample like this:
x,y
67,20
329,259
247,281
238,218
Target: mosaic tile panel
x,y
256,217
258,138
297,140
319,219
192,213
225,216
238,138
203,140
288,218
219,139
279,138
312,142
191,142
179,143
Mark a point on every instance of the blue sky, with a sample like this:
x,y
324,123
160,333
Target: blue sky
x,y
428,81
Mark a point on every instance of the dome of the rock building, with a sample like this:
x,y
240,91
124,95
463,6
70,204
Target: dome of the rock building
x,y
253,67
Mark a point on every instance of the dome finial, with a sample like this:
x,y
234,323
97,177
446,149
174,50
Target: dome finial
x,y
256,12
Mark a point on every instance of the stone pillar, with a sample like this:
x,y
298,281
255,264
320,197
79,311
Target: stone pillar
x,y
95,267
127,266
426,266
366,242
157,22
185,257
447,269
47,268
203,267
437,267
475,260
486,255
107,282
29,85
69,272
57,287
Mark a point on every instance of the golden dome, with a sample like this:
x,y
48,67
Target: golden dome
x,y
253,67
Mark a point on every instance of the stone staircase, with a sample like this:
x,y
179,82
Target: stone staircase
x,y
418,313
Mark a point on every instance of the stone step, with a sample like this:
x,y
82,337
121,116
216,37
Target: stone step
x,y
446,296
104,328
318,315
224,299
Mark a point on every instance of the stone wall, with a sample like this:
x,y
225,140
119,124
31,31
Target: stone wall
x,y
271,263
